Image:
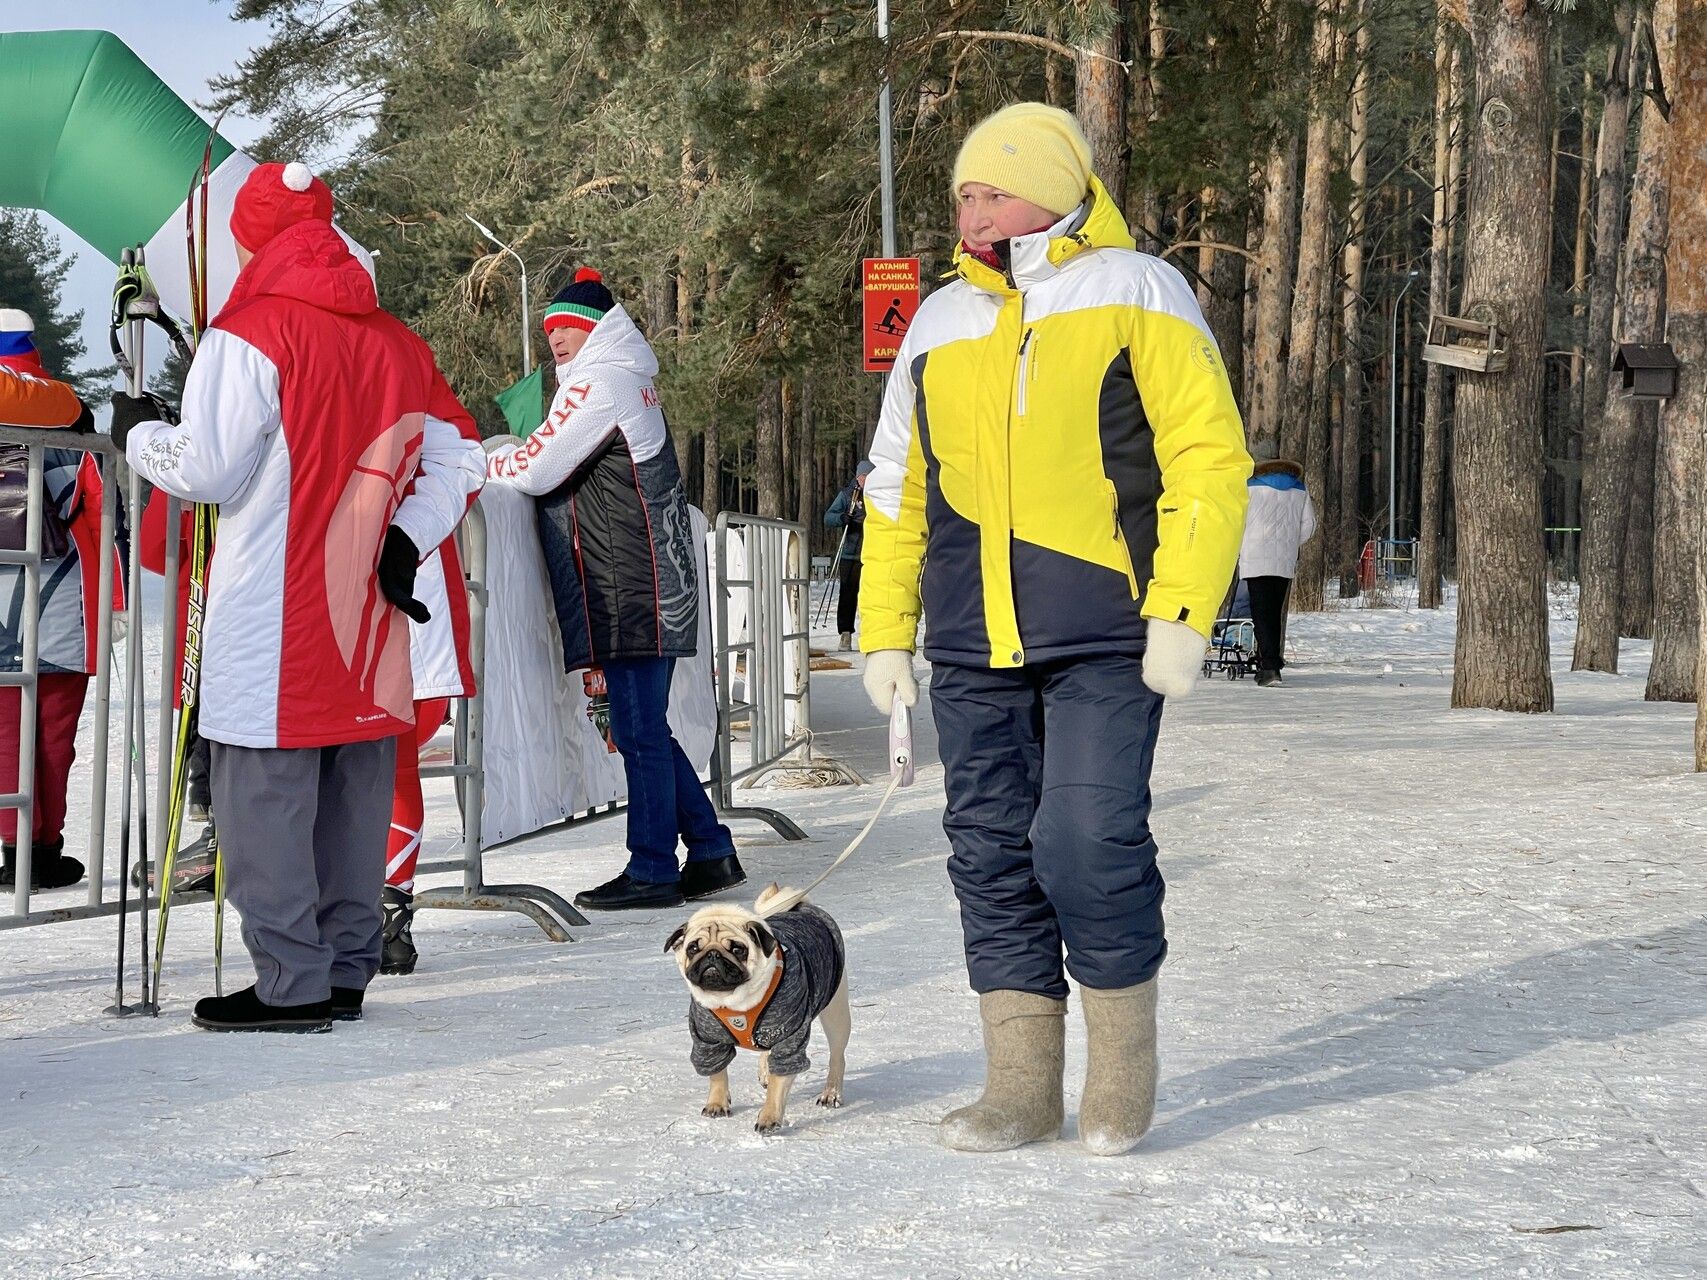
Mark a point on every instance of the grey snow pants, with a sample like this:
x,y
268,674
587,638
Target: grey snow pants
x,y
303,832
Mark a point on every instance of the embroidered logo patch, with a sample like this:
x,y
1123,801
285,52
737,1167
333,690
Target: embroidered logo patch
x,y
739,1022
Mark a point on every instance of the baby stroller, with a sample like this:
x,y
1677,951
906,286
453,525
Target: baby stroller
x,y
1232,648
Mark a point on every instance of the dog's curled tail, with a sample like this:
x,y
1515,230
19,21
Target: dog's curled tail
x,y
775,899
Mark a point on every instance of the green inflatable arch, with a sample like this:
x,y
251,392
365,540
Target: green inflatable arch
x,y
96,139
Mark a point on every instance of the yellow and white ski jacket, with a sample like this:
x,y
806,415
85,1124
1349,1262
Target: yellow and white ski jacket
x,y
1059,457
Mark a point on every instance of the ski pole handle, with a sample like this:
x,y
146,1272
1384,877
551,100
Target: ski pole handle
x,y
901,743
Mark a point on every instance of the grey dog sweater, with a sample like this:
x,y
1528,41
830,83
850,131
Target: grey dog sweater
x,y
812,963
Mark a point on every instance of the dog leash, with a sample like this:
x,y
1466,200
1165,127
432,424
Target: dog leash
x,y
900,775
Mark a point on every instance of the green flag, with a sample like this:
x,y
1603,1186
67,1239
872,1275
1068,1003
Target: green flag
x,y
522,403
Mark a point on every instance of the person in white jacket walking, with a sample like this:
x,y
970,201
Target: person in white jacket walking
x,y
1279,520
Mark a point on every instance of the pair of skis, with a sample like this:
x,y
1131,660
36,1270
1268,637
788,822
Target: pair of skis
x,y
135,300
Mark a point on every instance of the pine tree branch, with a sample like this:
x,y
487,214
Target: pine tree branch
x,y
1025,37
1218,245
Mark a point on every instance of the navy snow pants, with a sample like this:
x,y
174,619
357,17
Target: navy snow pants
x,y
1047,770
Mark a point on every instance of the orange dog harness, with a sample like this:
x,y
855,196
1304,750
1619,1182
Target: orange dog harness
x,y
741,1023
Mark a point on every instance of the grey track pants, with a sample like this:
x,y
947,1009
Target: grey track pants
x,y
302,832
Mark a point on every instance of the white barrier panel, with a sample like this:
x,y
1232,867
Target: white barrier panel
x,y
545,757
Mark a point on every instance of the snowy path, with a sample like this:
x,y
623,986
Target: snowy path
x,y
1438,985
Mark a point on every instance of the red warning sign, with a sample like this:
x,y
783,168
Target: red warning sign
x,y
891,300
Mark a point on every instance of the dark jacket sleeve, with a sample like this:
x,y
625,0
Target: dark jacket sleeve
x,y
837,515
788,1055
713,1046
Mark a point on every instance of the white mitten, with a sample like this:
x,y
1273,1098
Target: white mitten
x,y
889,675
1173,658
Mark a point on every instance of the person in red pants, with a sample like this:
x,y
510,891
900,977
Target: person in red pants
x,y
438,653
67,639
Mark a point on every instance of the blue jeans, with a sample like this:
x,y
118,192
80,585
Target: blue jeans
x,y
665,795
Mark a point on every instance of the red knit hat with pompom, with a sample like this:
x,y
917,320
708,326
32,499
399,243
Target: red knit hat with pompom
x,y
274,197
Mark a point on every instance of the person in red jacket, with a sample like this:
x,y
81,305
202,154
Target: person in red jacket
x,y
323,430
66,639
439,658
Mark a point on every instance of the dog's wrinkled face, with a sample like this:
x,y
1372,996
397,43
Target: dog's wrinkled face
x,y
727,954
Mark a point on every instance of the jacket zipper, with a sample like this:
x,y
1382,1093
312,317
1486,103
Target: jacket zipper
x,y
1024,368
1120,537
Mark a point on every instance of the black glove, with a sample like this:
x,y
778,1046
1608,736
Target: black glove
x,y
129,411
398,561
85,420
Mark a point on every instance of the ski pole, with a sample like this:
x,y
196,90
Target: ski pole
x,y
835,567
126,292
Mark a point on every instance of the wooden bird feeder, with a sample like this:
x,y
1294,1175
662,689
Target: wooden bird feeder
x,y
1649,369
1465,344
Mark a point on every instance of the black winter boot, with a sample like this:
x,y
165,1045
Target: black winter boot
x,y
347,1004
399,955
246,1011
192,869
49,867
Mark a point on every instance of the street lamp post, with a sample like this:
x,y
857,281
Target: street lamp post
x,y
1393,419
527,328
885,136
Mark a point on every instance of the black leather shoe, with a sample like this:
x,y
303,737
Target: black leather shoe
x,y
713,875
1268,679
347,1004
625,894
246,1011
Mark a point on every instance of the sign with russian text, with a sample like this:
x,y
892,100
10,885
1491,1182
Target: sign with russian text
x,y
891,300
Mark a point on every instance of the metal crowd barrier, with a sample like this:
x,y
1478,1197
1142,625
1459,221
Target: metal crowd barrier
x,y
468,769
772,661
27,678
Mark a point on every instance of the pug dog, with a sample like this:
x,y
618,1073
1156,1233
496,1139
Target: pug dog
x,y
757,983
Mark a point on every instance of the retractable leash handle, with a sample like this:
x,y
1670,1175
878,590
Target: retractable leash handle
x,y
901,743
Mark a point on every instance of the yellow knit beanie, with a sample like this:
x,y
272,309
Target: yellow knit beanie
x,y
1029,150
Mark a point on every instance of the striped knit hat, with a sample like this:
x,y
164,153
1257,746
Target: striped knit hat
x,y
17,343
580,304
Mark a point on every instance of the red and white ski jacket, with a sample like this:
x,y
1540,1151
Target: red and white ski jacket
x,y
314,420
438,648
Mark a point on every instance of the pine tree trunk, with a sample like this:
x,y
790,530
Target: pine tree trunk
x,y
1309,298
806,463
1347,531
1686,282
1501,660
711,476
1274,292
1099,97
790,443
767,444
1609,445
1248,335
1310,580
1439,297
1142,204
1678,471
1579,255
1226,310
1636,599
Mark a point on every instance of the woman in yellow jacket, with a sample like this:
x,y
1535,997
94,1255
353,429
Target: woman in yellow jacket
x,y
1059,490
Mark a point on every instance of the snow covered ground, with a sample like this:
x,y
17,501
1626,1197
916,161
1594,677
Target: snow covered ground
x,y
1436,1006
